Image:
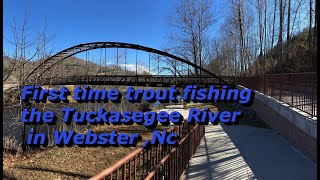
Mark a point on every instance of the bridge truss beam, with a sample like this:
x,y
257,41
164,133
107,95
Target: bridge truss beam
x,y
62,55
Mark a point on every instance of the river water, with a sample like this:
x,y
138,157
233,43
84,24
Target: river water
x,y
12,125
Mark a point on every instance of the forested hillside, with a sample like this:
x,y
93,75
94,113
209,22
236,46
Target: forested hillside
x,y
73,66
246,37
299,56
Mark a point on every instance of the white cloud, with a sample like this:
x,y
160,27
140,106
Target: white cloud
x,y
132,67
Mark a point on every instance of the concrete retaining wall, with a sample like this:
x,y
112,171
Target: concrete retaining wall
x,y
295,126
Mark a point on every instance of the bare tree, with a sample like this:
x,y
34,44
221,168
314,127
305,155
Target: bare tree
x,y
256,44
239,22
25,47
274,22
288,21
190,26
280,44
310,23
315,26
261,8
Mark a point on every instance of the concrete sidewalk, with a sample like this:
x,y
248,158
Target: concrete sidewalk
x,y
244,152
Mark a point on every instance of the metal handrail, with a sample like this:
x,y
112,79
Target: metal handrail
x,y
121,162
298,90
147,169
163,160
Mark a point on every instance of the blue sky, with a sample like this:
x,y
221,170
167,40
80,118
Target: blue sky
x,y
141,22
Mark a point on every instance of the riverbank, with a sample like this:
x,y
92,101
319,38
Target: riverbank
x,y
83,162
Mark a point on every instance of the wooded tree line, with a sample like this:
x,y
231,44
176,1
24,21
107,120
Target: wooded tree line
x,y
254,36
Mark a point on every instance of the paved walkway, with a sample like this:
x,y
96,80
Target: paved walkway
x,y
244,152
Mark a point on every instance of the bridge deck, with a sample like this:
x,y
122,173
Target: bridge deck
x,y
244,152
134,80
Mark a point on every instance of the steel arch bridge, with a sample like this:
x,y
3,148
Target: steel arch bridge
x,y
45,72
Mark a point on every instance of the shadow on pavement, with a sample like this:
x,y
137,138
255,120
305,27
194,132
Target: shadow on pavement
x,y
268,155
217,158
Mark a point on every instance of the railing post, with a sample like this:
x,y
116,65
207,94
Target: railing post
x,y
312,95
292,89
264,84
162,79
124,171
280,86
137,79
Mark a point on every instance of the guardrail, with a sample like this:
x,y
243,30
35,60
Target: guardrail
x,y
160,161
296,89
173,165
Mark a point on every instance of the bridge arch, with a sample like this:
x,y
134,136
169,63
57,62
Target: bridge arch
x,y
50,62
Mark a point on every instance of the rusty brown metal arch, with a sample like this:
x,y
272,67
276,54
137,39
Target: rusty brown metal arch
x,y
64,54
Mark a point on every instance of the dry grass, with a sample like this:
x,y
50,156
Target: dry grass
x,y
72,162
60,163
11,146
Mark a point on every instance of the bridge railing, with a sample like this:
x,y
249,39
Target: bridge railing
x,y
296,89
174,164
158,162
138,80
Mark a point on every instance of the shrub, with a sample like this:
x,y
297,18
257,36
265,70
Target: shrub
x,y
11,146
144,106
